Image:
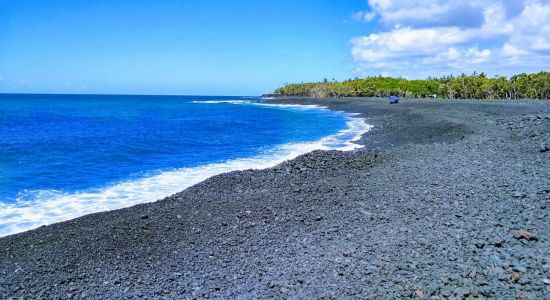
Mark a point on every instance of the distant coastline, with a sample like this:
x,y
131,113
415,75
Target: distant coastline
x,y
475,86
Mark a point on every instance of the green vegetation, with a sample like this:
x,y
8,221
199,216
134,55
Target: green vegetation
x,y
475,86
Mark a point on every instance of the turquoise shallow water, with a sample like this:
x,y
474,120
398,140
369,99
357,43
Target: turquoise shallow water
x,y
67,155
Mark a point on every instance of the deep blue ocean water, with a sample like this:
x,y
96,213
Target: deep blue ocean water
x,y
63,156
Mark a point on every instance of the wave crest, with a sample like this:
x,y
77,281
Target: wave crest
x,y
223,101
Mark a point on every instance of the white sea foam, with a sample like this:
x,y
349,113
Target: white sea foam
x,y
49,206
223,101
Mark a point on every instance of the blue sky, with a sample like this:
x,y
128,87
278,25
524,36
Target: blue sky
x,y
250,47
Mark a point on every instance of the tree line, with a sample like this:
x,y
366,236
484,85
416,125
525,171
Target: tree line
x,y
475,86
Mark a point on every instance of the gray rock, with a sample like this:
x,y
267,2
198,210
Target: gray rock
x,y
519,194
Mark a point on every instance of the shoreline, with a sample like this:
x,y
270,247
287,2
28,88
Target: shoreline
x,y
96,200
432,206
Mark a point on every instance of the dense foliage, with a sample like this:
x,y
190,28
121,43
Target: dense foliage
x,y
475,86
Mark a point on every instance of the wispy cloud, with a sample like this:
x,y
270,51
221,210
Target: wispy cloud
x,y
364,16
457,35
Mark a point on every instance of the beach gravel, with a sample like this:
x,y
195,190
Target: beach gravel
x,y
448,200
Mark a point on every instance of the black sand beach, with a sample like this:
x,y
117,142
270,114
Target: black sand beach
x,y
449,199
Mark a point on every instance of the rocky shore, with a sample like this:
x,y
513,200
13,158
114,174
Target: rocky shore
x,y
448,200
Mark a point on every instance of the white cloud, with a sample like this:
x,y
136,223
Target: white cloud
x,y
415,13
511,51
422,35
456,58
364,16
405,42
532,28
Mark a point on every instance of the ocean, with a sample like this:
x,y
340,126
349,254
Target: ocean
x,y
64,156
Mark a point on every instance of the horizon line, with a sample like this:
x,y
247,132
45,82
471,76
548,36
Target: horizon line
x,y
115,94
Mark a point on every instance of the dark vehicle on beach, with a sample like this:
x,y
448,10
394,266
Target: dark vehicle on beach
x,y
394,99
